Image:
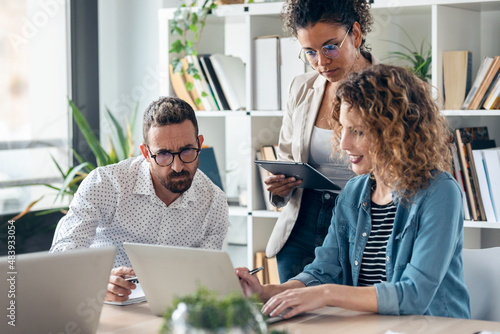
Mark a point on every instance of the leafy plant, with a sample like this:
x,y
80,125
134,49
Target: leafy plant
x,y
204,311
188,24
420,60
75,174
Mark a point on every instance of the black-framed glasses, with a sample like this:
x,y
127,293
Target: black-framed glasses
x,y
166,158
330,51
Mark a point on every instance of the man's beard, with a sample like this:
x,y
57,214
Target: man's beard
x,y
177,186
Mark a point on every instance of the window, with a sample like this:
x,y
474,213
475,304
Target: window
x,y
34,123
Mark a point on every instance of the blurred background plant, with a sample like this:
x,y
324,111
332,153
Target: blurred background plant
x,y
121,147
419,59
188,23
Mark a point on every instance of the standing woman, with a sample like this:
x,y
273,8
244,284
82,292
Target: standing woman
x,y
332,35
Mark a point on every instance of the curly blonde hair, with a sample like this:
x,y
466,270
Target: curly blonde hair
x,y
409,137
299,14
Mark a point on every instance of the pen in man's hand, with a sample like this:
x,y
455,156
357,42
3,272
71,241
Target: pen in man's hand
x,y
256,270
132,279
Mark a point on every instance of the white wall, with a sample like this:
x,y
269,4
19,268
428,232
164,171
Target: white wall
x,y
128,59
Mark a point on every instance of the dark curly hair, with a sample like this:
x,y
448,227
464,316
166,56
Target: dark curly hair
x,y
299,14
409,137
165,111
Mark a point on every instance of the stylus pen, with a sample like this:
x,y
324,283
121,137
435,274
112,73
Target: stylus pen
x,y
256,270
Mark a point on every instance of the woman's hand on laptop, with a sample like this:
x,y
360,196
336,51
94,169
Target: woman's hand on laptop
x,y
118,288
249,283
295,301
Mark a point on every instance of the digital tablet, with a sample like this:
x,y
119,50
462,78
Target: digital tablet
x,y
310,177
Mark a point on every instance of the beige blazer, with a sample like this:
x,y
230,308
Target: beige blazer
x,y
305,96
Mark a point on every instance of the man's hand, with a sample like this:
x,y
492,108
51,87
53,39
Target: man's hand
x,y
118,288
249,283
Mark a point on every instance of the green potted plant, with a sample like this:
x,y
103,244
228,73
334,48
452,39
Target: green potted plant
x,y
419,60
204,313
121,147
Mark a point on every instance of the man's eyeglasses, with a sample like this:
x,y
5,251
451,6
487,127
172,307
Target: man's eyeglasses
x,y
331,51
166,158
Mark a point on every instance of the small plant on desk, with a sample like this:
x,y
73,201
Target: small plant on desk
x,y
203,312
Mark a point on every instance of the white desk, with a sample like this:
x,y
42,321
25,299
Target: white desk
x,y
137,318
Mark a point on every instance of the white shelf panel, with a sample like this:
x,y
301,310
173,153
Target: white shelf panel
x,y
266,113
470,112
265,214
481,224
222,113
240,211
466,4
270,8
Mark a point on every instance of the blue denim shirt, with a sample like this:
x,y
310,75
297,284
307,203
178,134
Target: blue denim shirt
x,y
424,252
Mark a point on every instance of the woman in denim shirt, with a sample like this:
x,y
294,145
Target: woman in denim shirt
x,y
395,242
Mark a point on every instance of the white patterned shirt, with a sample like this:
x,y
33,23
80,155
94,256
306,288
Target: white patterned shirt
x,y
118,203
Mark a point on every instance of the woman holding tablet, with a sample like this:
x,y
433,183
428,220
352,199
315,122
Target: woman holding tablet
x,y
332,35
394,245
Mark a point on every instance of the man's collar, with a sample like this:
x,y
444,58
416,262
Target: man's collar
x,y
144,186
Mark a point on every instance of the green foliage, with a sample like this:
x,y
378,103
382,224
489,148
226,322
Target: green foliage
x,y
205,311
420,60
188,24
75,174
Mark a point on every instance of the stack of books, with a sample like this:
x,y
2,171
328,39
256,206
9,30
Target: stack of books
x,y
485,91
476,164
460,92
211,82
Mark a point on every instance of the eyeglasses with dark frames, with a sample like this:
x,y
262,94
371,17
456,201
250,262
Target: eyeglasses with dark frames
x,y
166,158
330,51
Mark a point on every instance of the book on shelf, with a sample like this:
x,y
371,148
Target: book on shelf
x,y
208,165
484,186
199,91
474,138
290,65
270,273
457,77
481,73
230,72
490,89
457,173
266,84
492,101
276,65
266,152
259,262
472,203
271,264
209,85
491,74
202,85
492,167
179,86
475,181
213,81
189,82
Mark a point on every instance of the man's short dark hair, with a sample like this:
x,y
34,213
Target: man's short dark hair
x,y
165,111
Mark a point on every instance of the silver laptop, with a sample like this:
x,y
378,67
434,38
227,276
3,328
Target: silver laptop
x,y
166,271
54,293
